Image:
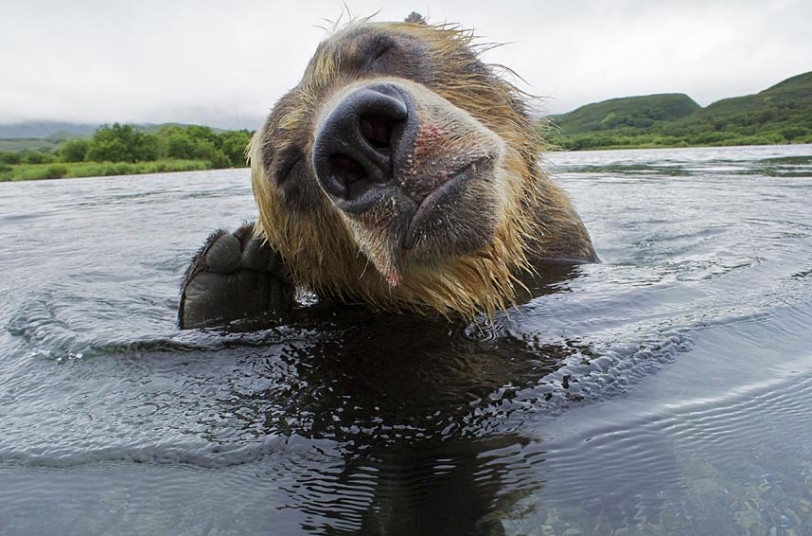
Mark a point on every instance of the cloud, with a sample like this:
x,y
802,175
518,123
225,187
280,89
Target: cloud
x,y
227,63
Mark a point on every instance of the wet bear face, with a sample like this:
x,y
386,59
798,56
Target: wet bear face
x,y
401,172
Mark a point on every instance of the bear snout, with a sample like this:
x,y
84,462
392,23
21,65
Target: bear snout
x,y
413,176
360,144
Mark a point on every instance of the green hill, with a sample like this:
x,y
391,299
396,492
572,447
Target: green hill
x,y
779,114
785,104
632,112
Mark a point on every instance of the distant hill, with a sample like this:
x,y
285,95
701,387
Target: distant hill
x,y
634,112
779,103
45,129
779,114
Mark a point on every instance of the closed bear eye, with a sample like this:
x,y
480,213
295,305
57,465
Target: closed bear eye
x,y
378,48
288,161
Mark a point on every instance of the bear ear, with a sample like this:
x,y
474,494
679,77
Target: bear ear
x,y
415,18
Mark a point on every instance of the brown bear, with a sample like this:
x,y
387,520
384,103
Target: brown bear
x,y
401,172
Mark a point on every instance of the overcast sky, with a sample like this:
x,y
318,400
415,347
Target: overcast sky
x,y
225,63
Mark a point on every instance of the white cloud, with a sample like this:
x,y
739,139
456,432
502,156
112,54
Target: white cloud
x,y
227,62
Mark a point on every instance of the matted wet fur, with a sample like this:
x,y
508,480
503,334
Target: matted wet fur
x,y
402,172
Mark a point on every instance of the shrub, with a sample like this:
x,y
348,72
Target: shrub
x,y
6,171
12,158
37,157
124,169
56,171
121,143
73,150
794,133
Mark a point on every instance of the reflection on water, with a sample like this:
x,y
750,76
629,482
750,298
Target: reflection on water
x,y
664,391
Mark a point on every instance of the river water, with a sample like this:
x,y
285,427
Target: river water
x,y
667,390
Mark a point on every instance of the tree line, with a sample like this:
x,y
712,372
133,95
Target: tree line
x,y
133,144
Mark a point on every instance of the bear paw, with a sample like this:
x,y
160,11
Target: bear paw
x,y
233,276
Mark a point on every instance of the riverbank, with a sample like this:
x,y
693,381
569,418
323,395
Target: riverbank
x,y
61,170
69,170
612,141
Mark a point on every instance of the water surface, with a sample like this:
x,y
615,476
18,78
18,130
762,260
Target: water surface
x,y
667,390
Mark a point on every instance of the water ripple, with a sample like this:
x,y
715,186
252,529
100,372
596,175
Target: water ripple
x,y
366,423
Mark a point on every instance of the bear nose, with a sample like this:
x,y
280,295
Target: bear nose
x,y
356,144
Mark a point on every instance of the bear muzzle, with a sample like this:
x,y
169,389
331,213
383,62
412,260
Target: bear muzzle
x,y
415,178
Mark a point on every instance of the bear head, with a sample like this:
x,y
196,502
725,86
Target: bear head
x,y
402,172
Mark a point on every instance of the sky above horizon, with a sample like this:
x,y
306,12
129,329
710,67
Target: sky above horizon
x,y
226,63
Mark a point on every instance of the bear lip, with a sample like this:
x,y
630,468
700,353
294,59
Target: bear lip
x,y
449,190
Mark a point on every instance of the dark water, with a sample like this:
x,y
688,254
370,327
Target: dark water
x,y
667,390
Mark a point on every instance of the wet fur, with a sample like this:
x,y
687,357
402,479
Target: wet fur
x,y
534,220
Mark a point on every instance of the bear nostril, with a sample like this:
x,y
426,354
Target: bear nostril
x,y
359,139
377,130
347,174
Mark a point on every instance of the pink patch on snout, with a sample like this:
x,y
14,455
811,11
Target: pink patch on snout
x,y
428,136
427,168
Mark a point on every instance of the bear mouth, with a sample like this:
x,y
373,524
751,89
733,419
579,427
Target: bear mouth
x,y
434,213
457,218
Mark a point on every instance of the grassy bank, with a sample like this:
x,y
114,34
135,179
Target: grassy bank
x,y
608,141
59,170
126,149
